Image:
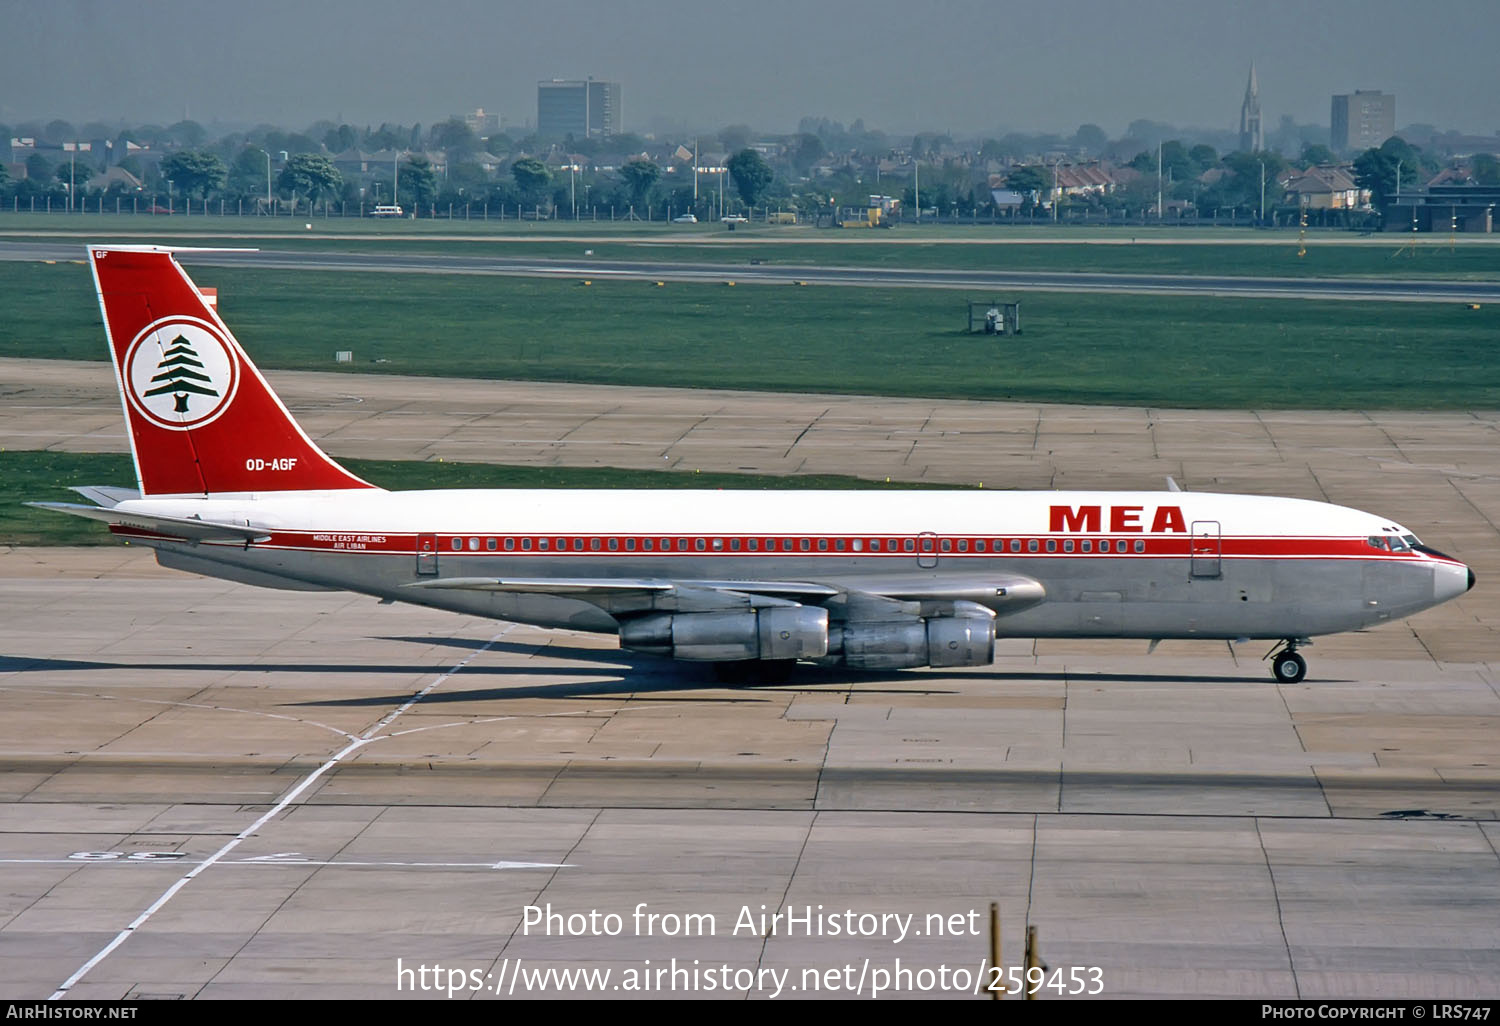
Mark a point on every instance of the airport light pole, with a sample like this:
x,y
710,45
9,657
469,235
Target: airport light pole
x,y
268,183
1261,216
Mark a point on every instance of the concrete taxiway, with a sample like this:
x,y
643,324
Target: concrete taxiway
x,y
283,794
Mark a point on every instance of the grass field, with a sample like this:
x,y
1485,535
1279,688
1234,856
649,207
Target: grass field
x,y
1117,250
1125,350
30,476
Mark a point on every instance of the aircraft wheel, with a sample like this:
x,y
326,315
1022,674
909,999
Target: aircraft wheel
x,y
1288,667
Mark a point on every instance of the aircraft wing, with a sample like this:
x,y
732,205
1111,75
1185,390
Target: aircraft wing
x,y
183,528
895,594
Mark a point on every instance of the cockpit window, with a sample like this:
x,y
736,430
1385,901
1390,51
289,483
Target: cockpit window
x,y
1375,542
1410,540
1397,544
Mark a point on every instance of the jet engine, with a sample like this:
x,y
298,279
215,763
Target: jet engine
x,y
964,639
772,632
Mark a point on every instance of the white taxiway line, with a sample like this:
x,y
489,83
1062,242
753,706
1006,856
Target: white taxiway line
x,y
291,797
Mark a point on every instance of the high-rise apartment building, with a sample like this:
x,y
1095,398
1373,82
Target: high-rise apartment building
x,y
582,109
1362,119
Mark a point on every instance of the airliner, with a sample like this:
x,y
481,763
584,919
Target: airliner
x,y
228,485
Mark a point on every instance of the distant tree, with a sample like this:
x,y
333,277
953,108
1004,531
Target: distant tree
x,y
1377,172
311,174
38,168
639,176
187,133
340,139
78,172
1203,157
735,137
1316,153
752,175
455,137
419,180
386,137
627,142
1486,169
194,171
248,174
532,177
1091,139
1030,182
807,149
59,131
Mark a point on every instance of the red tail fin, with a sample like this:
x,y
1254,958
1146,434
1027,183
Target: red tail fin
x,y
202,419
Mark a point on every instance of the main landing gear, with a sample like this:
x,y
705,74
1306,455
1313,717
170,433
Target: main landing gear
x,y
1286,665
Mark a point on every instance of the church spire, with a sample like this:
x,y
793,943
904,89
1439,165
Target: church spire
x,y
1251,138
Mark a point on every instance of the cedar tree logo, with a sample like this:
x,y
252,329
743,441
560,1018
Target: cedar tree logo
x,y
180,373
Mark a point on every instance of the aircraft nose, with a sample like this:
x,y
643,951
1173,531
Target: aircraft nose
x,y
1450,580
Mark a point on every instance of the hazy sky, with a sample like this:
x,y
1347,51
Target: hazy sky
x,y
957,65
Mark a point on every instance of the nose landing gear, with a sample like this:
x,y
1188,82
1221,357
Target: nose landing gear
x,y
1286,665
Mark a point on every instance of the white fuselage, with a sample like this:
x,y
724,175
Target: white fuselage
x,y
1131,564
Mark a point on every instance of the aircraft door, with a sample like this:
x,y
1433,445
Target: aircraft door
x,y
1207,549
427,554
927,550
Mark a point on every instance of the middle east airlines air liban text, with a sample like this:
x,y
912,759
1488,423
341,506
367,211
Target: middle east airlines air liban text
x,y
806,921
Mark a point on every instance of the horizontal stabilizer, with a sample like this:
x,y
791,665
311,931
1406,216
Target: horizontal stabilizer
x,y
184,528
108,496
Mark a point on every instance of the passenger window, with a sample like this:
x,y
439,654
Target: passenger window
x,y
1051,545
858,544
541,544
614,544
874,544
510,544
578,544
1031,545
718,545
526,544
979,545
1140,545
822,544
1068,545
1015,545
1086,546
945,545
963,545
753,544
734,545
698,544
926,544
490,544
682,544
629,544
786,545
804,544
458,544
909,545
647,544
839,544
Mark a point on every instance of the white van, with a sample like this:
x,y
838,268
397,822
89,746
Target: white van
x,y
387,210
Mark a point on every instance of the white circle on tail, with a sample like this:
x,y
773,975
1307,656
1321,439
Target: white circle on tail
x,y
181,373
